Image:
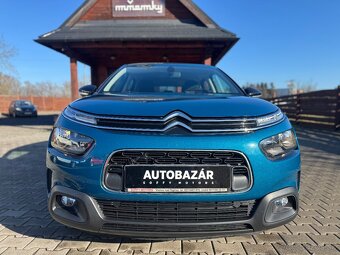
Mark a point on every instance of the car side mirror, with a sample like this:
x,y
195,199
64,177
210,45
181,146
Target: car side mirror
x,y
87,90
252,92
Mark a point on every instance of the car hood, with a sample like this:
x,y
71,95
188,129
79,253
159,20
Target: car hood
x,y
207,106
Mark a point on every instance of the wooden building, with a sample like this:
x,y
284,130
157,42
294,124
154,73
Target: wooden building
x,y
106,34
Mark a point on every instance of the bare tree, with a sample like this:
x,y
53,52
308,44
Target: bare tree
x,y
7,52
9,85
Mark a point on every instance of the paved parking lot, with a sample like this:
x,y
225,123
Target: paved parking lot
x,y
26,227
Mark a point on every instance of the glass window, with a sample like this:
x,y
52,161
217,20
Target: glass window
x,y
171,79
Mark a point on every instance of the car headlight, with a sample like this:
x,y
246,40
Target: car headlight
x,y
70,142
76,115
18,109
279,145
270,119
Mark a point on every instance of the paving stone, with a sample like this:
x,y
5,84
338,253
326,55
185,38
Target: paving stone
x,y
13,251
324,230
46,252
238,239
78,245
301,229
169,246
204,247
268,239
16,242
306,221
13,221
322,250
12,213
310,213
45,232
38,214
329,221
329,214
297,239
278,230
2,249
220,240
107,252
47,244
38,222
76,252
143,247
103,246
66,232
14,231
230,248
325,239
296,249
253,249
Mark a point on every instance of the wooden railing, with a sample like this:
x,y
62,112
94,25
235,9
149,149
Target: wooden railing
x,y
318,108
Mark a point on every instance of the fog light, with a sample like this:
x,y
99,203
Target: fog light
x,y
281,205
282,202
67,201
281,208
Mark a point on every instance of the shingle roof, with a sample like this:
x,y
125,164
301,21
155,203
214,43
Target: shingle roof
x,y
131,30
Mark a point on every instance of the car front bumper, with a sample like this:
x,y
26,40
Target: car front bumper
x,y
81,177
87,215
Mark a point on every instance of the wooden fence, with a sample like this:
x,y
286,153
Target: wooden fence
x,y
318,108
42,103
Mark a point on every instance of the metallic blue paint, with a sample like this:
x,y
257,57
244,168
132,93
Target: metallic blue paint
x,y
78,173
195,106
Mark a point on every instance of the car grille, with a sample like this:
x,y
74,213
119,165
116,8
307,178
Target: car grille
x,y
177,120
235,160
200,212
140,157
177,229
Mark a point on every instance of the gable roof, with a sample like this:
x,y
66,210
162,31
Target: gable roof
x,y
189,4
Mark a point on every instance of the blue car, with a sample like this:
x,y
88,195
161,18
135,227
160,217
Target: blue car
x,y
172,151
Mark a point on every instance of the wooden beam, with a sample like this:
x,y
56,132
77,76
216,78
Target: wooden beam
x,y
74,78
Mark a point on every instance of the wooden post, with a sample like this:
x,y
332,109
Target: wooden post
x,y
74,79
208,61
99,73
94,78
337,109
298,108
102,74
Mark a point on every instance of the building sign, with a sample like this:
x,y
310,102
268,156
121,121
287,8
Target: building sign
x,y
139,8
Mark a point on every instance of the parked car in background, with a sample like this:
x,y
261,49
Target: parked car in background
x,y
172,151
22,108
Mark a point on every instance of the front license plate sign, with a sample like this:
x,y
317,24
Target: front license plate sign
x,y
177,179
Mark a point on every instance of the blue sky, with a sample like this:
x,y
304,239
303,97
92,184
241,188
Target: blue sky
x,y
281,40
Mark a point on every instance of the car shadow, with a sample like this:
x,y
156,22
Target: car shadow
x,y
319,139
23,200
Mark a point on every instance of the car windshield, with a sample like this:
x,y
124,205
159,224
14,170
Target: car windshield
x,y
170,79
23,103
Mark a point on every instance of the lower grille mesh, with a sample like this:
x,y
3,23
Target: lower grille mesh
x,y
177,212
178,229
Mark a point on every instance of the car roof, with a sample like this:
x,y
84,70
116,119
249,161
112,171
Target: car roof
x,y
169,64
